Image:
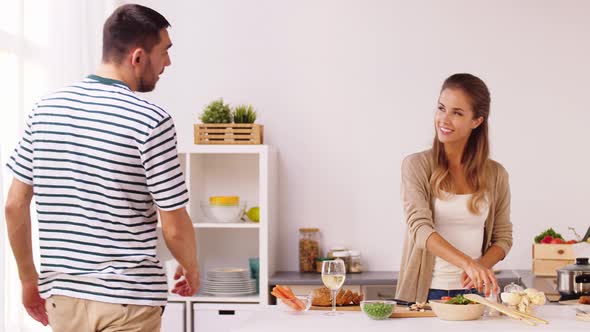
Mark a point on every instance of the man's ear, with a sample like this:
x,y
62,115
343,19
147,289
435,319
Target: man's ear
x,y
137,56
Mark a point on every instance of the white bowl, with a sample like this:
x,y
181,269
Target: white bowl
x,y
223,213
284,307
456,311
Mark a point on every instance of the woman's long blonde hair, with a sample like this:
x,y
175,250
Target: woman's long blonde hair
x,y
477,150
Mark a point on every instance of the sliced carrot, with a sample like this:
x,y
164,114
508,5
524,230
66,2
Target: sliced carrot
x,y
277,295
299,303
282,291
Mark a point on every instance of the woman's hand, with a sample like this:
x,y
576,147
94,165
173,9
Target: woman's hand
x,y
478,276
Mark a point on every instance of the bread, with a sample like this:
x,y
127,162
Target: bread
x,y
584,300
322,297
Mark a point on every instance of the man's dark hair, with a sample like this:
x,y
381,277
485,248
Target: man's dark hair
x,y
130,26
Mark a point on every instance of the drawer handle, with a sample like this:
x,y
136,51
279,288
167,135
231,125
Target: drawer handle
x,y
561,251
227,312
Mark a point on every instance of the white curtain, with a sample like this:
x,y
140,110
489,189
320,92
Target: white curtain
x,y
45,45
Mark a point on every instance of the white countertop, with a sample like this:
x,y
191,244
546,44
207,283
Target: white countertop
x,y
560,317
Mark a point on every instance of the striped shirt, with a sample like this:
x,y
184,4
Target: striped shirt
x,y
101,161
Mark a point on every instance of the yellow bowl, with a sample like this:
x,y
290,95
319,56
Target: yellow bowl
x,y
224,200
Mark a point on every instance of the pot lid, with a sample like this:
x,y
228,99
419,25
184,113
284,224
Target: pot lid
x,y
581,265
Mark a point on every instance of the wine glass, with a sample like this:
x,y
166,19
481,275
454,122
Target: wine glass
x,y
333,275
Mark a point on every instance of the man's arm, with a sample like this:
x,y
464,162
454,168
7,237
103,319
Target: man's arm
x,y
18,224
179,235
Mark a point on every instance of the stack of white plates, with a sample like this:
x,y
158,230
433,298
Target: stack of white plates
x,y
229,282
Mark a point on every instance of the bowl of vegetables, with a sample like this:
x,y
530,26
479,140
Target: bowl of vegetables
x,y
378,309
457,308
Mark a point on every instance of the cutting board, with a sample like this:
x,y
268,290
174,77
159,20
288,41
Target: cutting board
x,y
399,312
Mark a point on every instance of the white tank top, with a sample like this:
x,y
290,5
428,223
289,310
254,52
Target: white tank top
x,y
464,230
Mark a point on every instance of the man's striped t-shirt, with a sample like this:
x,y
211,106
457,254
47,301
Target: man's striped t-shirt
x,y
101,161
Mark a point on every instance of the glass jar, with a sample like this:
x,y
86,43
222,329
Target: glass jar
x,y
319,262
345,256
355,262
309,248
331,252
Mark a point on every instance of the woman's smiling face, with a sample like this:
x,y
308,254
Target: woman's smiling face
x,y
454,119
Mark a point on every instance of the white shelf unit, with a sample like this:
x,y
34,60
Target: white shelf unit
x,y
249,172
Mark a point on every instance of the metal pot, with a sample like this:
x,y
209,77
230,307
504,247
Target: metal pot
x,y
574,279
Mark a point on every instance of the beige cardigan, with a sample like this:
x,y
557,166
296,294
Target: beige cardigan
x,y
417,197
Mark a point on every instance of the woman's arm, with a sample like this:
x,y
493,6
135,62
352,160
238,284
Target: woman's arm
x,y
415,200
484,279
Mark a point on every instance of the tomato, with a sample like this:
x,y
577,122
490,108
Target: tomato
x,y
445,298
547,239
571,242
557,241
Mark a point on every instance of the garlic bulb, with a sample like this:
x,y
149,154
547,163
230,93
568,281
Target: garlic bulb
x,y
535,296
511,298
523,301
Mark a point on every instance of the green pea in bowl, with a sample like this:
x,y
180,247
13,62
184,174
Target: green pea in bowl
x,y
378,309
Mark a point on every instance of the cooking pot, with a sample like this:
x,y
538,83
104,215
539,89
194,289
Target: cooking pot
x,y
574,279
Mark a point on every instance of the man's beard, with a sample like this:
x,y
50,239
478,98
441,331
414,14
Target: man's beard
x,y
146,86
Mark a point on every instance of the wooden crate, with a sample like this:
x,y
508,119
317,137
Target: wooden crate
x,y
229,133
547,258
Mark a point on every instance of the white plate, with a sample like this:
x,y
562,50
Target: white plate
x,y
229,282
230,293
230,270
229,287
216,291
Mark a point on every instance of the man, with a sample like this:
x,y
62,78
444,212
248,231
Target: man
x,y
101,163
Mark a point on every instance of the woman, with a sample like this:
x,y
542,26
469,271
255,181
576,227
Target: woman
x,y
456,201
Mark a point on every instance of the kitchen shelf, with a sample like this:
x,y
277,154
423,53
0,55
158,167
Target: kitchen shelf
x,y
233,149
226,225
251,173
204,298
251,225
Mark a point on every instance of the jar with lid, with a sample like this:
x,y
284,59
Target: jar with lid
x,y
309,248
332,250
345,256
355,262
319,262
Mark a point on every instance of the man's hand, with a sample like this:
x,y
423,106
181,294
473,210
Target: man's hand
x,y
33,302
189,285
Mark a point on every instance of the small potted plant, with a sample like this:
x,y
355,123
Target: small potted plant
x,y
216,112
222,125
244,114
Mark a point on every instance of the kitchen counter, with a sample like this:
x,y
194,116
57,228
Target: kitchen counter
x,y
560,317
367,278
364,278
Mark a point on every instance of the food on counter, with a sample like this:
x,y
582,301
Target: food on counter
x,y
378,309
309,249
457,311
548,236
286,295
523,301
584,300
459,299
322,297
421,307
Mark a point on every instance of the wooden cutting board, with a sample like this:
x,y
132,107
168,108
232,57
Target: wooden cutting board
x,y
399,312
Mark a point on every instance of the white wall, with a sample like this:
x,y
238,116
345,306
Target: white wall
x,y
346,89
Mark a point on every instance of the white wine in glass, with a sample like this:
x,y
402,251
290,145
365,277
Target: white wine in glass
x,y
333,276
